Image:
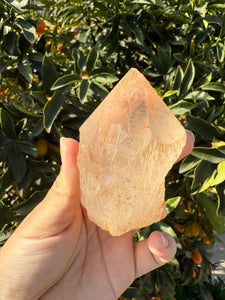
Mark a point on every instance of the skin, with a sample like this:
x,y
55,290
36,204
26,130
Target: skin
x,y
58,253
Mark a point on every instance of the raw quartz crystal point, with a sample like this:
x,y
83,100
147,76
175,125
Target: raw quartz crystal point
x,y
127,146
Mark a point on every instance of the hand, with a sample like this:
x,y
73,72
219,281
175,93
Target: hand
x,y
58,253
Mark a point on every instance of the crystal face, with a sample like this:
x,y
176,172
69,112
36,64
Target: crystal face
x,y
127,146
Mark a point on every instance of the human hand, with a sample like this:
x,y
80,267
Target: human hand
x,y
58,253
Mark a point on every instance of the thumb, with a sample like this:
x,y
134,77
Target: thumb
x,y
153,252
56,212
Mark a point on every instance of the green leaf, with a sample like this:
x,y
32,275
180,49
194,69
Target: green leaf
x,y
25,69
28,148
205,79
137,31
202,173
217,6
20,125
172,203
65,80
214,19
17,163
198,95
51,110
178,78
6,215
104,78
39,96
28,29
209,154
188,163
220,49
83,90
210,208
204,294
24,111
92,59
18,5
3,65
10,43
220,188
220,176
48,73
99,89
181,107
214,86
38,128
7,124
4,235
44,167
7,181
169,93
164,58
206,130
188,78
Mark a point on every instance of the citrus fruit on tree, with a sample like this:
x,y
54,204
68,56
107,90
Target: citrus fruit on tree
x,y
42,147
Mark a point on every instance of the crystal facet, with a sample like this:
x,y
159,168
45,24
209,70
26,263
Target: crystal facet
x,y
127,146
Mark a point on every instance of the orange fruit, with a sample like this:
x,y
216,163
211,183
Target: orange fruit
x,y
178,227
206,240
194,274
2,94
187,230
48,43
41,27
59,48
195,228
42,147
196,257
202,232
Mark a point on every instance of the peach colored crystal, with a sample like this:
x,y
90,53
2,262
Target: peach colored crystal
x,y
127,146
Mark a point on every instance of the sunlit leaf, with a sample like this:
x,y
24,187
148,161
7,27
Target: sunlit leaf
x,y
92,58
52,109
172,203
188,78
214,86
216,219
27,28
209,154
25,69
65,80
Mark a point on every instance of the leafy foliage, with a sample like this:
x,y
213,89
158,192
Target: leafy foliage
x,y
59,59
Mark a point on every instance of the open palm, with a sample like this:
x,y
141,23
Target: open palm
x,y
58,253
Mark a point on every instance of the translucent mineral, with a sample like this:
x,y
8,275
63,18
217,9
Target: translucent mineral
x,y
127,146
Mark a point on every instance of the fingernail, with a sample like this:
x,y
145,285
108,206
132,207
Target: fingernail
x,y
165,241
191,134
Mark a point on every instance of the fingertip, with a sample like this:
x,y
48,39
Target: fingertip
x,y
188,146
162,245
69,174
69,150
190,141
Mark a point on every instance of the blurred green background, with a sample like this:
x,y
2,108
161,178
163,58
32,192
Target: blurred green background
x,y
58,61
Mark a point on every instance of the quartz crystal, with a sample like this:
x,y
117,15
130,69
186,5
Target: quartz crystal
x,y
127,146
